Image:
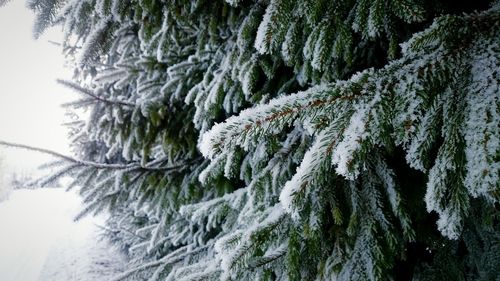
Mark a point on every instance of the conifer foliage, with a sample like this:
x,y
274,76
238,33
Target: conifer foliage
x,y
288,139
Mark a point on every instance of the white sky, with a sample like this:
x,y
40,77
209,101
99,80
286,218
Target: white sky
x,y
30,99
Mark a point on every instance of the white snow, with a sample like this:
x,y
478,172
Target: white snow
x,y
263,37
481,131
309,163
353,136
40,242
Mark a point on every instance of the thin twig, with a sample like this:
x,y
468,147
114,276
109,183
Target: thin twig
x,y
87,92
130,166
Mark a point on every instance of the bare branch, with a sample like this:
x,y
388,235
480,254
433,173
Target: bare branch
x,y
129,167
87,92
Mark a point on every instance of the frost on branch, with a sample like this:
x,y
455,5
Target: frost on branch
x,y
420,90
384,151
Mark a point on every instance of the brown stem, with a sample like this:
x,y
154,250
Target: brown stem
x,y
130,166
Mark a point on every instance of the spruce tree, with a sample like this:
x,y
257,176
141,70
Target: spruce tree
x,y
288,139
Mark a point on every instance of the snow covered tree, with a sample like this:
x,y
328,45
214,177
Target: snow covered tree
x,y
286,139
3,2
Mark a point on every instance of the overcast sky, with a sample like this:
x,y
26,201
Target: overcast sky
x,y
30,99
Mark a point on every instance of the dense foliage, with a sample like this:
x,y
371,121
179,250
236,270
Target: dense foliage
x,y
287,139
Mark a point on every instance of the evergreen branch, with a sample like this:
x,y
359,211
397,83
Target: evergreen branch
x,y
129,167
87,92
243,249
237,127
120,229
174,257
273,116
266,259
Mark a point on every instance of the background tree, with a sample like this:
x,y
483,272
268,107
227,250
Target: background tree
x,y
383,164
21,180
3,2
4,189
